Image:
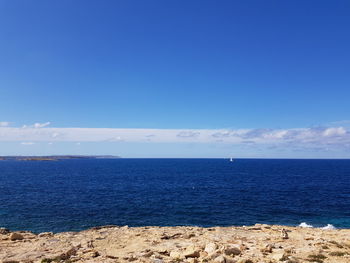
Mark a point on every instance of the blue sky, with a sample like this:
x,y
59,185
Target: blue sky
x,y
267,68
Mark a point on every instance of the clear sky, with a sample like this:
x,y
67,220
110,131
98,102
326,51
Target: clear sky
x,y
209,78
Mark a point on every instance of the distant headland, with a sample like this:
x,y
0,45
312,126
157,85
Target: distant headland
x,y
55,157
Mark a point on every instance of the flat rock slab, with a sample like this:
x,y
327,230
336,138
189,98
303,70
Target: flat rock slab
x,y
257,244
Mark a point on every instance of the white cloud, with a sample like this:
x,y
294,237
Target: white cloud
x,y
188,134
41,125
221,134
27,143
4,123
37,125
334,135
301,137
55,135
339,131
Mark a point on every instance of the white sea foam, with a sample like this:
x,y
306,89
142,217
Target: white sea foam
x,y
305,225
328,226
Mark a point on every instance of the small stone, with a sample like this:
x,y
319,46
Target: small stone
x,y
191,252
279,256
223,259
94,254
146,254
16,236
245,260
132,258
292,260
189,235
68,254
45,234
175,254
4,231
232,250
89,254
254,228
284,234
267,248
230,260
162,250
220,259
76,244
90,244
214,255
210,248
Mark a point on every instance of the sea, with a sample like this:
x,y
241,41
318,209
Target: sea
x,y
76,194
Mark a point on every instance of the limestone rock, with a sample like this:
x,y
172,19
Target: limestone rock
x,y
146,253
68,254
16,236
219,244
292,260
214,255
4,231
45,234
210,248
162,250
232,250
230,260
132,258
189,235
279,256
220,259
245,260
90,254
223,259
175,254
267,249
284,234
191,252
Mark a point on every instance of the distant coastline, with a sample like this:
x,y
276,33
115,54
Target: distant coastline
x,y
56,157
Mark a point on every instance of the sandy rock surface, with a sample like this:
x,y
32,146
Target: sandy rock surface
x,y
255,244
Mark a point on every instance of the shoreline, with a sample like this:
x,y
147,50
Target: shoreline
x,y
301,225
246,244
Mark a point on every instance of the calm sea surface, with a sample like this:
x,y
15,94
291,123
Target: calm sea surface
x,y
77,194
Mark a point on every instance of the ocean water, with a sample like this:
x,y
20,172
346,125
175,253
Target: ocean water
x,y
77,194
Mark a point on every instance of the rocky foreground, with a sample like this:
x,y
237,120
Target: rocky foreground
x,y
259,243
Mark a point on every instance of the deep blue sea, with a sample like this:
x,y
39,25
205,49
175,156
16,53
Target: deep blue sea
x,y
77,194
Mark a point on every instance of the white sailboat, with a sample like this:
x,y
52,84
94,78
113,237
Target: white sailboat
x,y
231,159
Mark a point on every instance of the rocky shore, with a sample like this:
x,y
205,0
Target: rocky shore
x,y
254,244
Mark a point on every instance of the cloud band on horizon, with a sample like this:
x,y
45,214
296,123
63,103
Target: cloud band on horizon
x,y
326,136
